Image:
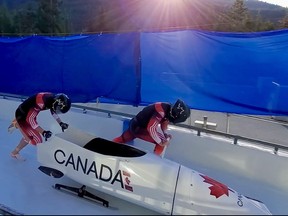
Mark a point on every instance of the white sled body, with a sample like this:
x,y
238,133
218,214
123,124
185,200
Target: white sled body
x,y
142,178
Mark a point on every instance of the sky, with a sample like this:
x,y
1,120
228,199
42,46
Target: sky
x,y
283,3
27,190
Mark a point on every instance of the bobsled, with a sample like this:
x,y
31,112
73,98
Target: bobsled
x,y
139,177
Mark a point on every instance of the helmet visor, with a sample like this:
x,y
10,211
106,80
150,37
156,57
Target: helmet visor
x,y
58,106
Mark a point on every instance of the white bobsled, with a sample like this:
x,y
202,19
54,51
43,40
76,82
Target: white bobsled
x,y
140,177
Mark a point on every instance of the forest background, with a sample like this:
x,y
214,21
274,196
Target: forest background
x,y
69,17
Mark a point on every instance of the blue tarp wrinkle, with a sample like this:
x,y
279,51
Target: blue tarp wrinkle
x,y
244,73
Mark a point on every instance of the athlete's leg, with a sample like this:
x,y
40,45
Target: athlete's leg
x,y
30,135
129,134
125,137
13,126
24,141
19,147
158,150
144,135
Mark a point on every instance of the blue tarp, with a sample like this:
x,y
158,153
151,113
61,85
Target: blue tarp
x,y
83,67
226,72
244,73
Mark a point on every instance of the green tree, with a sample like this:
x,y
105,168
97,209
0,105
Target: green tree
x,y
49,20
238,19
261,25
99,22
6,24
25,21
283,23
108,16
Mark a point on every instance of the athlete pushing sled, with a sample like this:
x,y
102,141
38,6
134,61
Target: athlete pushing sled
x,y
26,118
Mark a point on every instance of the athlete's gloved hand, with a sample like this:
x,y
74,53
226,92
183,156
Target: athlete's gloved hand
x,y
64,126
168,136
47,134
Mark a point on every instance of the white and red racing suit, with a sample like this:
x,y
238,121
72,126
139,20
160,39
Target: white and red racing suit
x,y
27,112
150,125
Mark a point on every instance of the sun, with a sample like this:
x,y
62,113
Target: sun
x,y
171,2
170,5
172,14
168,14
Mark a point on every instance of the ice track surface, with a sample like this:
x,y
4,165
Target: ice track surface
x,y
27,190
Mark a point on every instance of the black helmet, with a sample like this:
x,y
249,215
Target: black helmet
x,y
61,103
179,112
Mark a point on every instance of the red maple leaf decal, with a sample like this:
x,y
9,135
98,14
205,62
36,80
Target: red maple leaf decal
x,y
217,189
127,180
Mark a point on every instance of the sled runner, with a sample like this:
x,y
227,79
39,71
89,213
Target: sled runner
x,y
82,192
